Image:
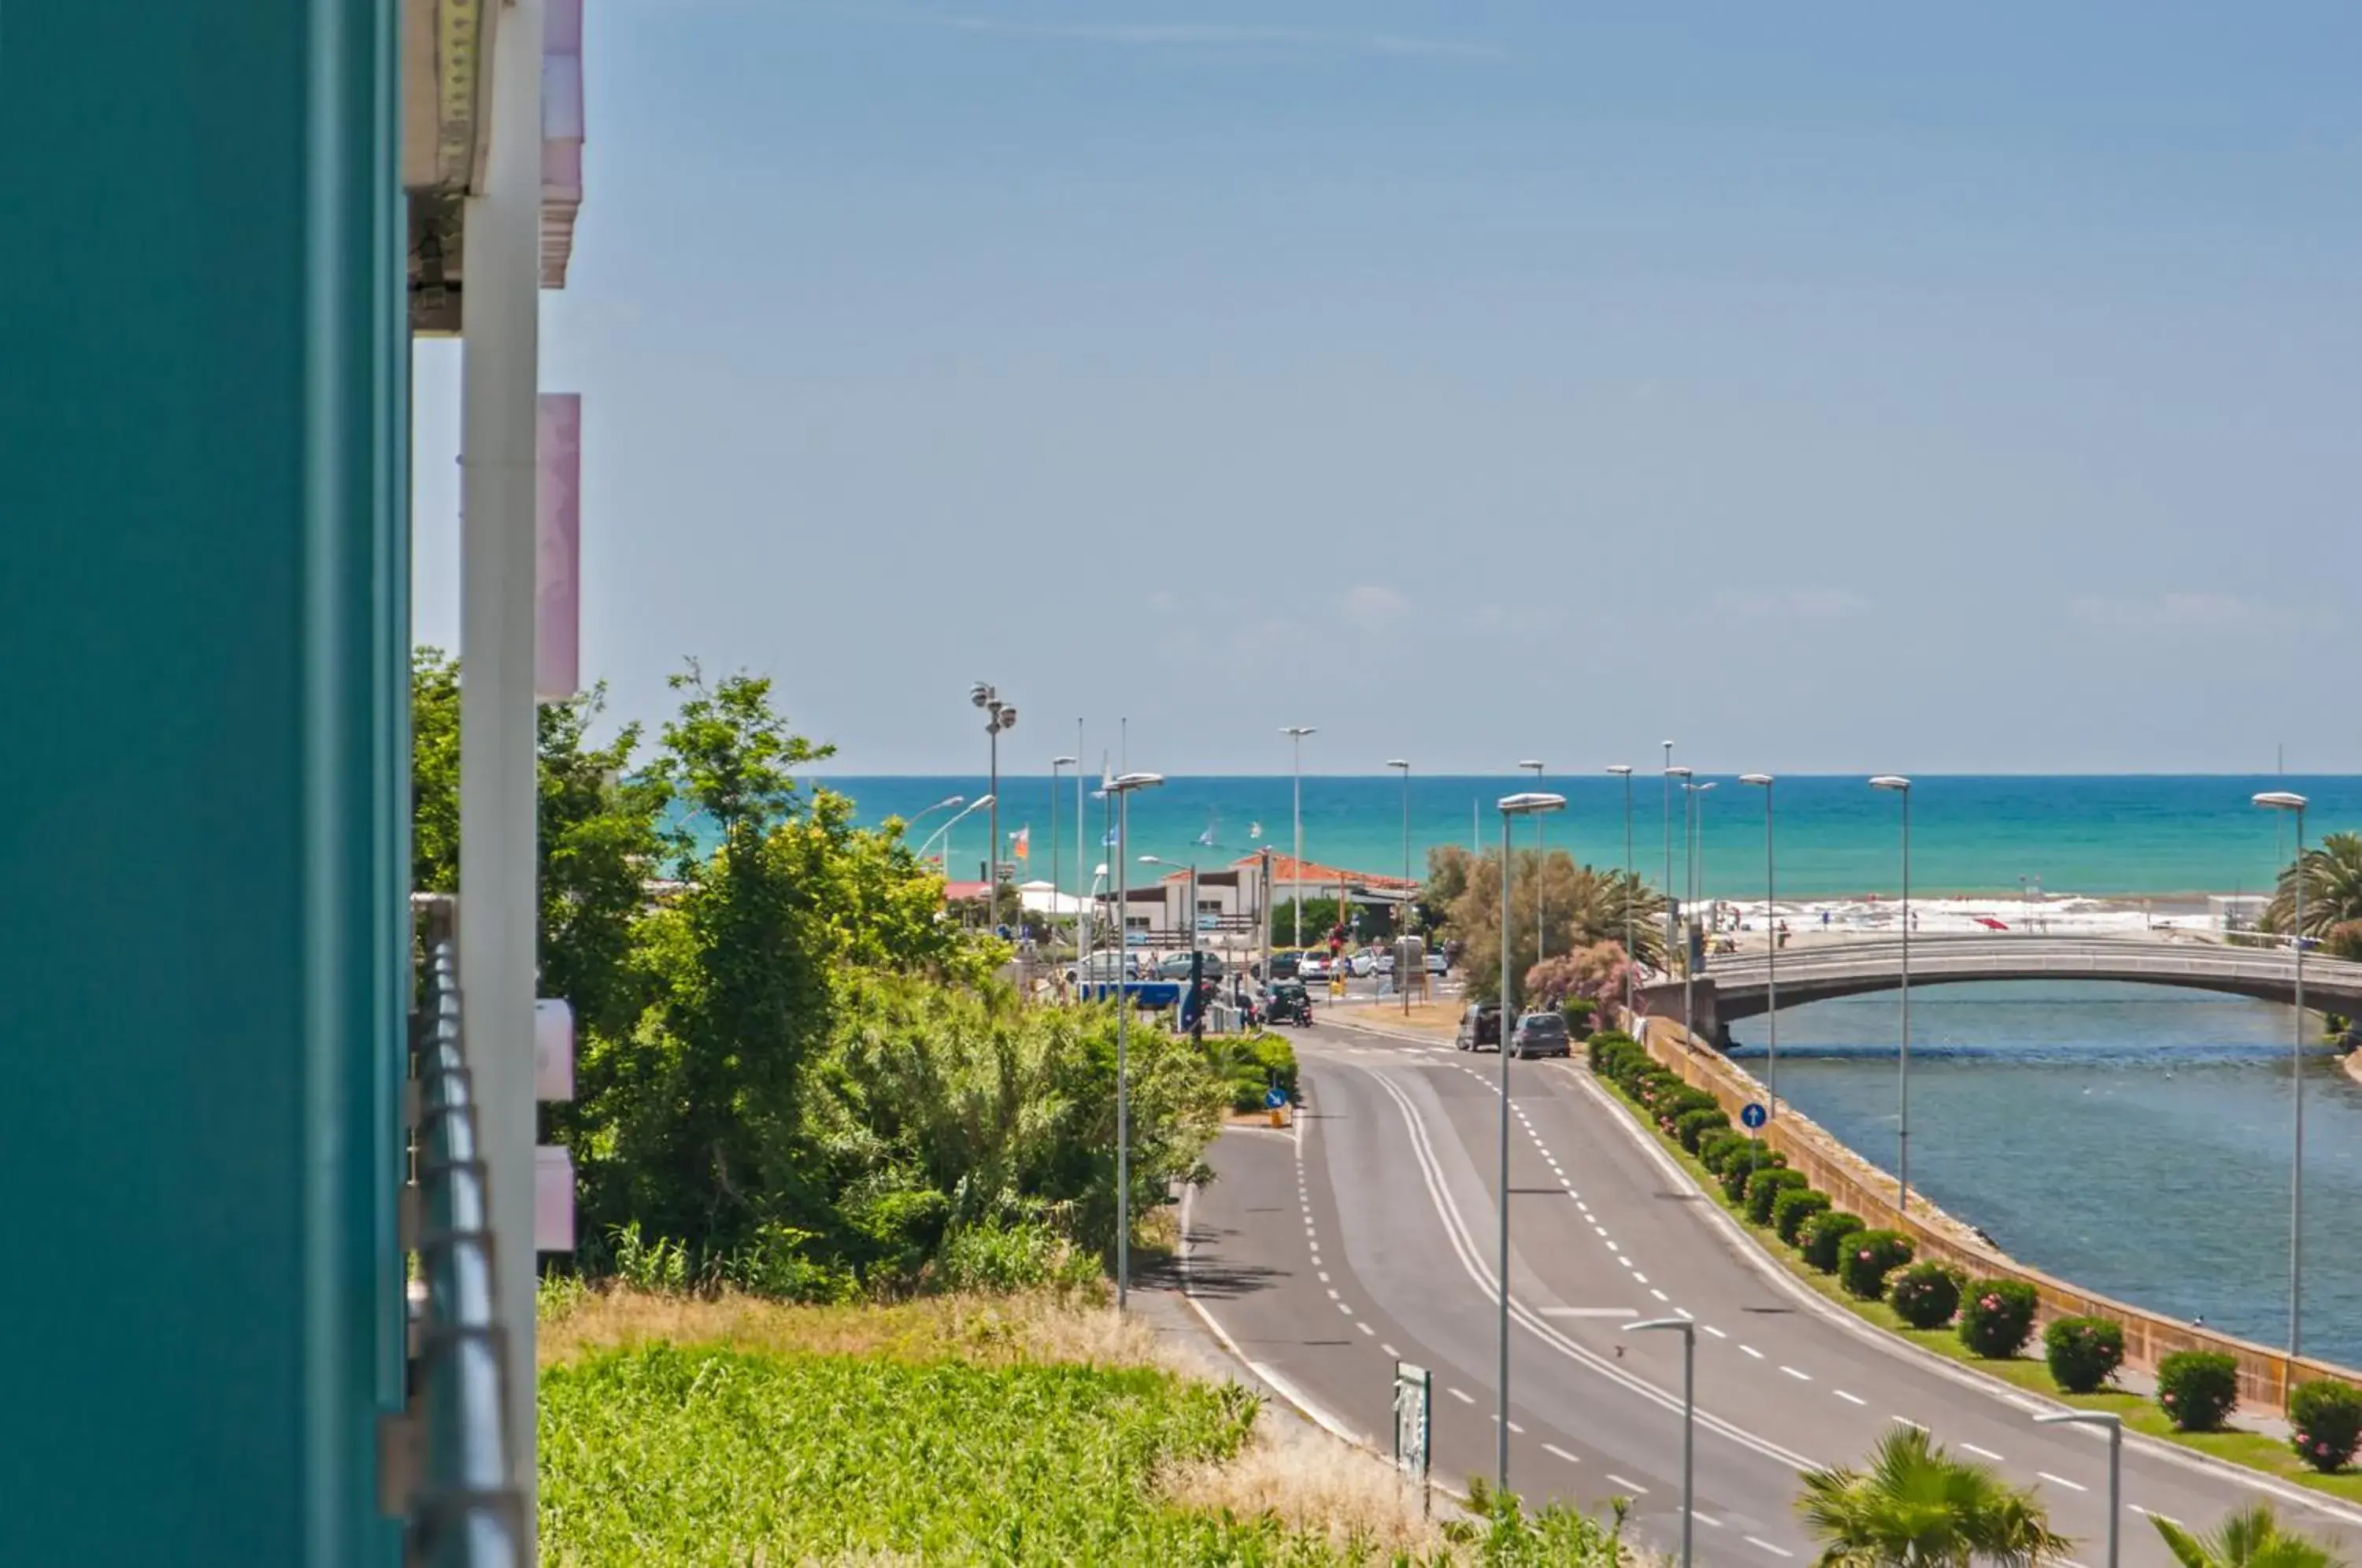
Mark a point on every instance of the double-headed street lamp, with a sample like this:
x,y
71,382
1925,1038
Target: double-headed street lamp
x,y
1902,787
998,716
2115,1425
1121,791
2281,801
1531,804
1402,980
1687,1328
1771,950
1624,772
1296,733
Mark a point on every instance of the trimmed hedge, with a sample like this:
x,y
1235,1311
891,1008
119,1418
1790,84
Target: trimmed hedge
x,y
1868,1258
2196,1389
2325,1423
2083,1353
1792,1208
1824,1237
1764,1187
1715,1147
1925,1295
1997,1317
1691,1126
1744,1162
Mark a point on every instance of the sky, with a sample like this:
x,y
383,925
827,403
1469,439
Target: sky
x,y
1831,387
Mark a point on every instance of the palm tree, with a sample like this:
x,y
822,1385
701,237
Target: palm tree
x,y
2251,1537
2332,875
1916,1507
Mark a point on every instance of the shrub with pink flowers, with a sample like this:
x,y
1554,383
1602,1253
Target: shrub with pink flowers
x,y
1997,1317
2325,1423
2196,1389
1869,1257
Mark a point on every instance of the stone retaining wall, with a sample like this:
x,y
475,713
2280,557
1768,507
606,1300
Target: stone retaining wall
x,y
1858,1187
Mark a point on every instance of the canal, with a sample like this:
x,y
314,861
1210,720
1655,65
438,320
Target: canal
x,y
2131,1139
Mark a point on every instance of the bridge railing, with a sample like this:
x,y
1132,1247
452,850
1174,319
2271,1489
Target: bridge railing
x,y
464,1509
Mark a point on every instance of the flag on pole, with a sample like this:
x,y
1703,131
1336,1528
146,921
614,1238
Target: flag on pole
x,y
1020,843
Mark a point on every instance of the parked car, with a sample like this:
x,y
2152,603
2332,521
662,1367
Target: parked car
x,y
1107,966
1540,1034
1479,1028
1436,965
1283,966
1386,963
1310,966
1175,966
1361,965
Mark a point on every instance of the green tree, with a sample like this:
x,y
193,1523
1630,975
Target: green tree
x,y
600,842
2249,1538
1583,907
1916,1507
433,771
2330,876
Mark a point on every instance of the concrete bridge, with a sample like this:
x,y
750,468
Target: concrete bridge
x,y
1738,986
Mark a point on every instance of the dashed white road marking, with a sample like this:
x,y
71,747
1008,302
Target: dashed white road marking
x,y
1710,1328
1909,1422
1848,1398
1324,1276
1460,1396
2152,1513
1706,1519
2062,1481
1365,1328
1657,1293
1750,1350
1344,1308
1554,1448
1774,1551
1799,1376
1332,1290
1392,1353
1632,1486
1983,1452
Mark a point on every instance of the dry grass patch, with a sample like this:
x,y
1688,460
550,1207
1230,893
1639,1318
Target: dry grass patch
x,y
990,1331
1353,1501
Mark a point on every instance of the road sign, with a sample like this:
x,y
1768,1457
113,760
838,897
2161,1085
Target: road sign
x,y
1274,1098
1752,1116
1414,1388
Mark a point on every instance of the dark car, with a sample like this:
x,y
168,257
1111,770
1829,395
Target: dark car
x,y
1479,1028
1540,1034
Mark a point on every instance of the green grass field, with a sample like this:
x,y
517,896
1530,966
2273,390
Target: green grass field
x,y
675,1432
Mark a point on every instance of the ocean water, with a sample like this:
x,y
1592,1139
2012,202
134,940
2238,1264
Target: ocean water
x,y
2135,1140
2155,836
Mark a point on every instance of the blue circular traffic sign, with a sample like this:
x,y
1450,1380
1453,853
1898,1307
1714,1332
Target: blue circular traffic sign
x,y
1753,1115
1274,1098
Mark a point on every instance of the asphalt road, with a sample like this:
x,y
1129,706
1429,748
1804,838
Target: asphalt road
x,y
1368,1233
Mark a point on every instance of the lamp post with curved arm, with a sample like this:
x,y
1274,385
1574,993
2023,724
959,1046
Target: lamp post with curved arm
x,y
1402,980
1770,953
1121,789
2281,801
1624,772
1902,785
1531,804
980,803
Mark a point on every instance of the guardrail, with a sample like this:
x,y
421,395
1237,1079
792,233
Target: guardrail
x,y
464,1509
1951,958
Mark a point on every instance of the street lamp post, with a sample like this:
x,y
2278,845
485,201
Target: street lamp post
x,y
1535,767
1770,951
1296,733
998,716
1055,763
1624,772
2281,801
1190,868
1121,789
1693,860
1687,1328
1082,859
1402,980
2115,1425
1511,806
944,833
1902,787
1673,910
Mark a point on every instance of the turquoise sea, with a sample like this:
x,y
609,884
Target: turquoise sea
x,y
2130,835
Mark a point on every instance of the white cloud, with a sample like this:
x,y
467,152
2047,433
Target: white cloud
x,y
1201,35
2190,612
1373,605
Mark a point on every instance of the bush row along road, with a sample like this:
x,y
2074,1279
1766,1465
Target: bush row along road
x,y
1367,1234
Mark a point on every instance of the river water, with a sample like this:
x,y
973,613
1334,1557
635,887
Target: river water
x,y
2131,1139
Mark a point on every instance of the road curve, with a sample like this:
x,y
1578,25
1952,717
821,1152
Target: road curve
x,y
1367,1234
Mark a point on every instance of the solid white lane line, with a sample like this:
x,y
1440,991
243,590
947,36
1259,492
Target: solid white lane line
x,y
1750,1350
1456,1394
2061,1480
1774,1551
1983,1452
1633,1486
1799,1376
1710,1328
1848,1398
1554,1448
1589,1312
